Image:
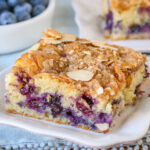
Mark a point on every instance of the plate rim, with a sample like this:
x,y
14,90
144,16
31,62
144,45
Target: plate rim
x,y
81,144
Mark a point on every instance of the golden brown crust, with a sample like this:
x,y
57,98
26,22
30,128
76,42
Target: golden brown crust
x,y
122,5
85,127
63,53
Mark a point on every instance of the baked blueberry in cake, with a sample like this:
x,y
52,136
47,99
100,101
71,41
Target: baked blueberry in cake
x,y
126,19
72,81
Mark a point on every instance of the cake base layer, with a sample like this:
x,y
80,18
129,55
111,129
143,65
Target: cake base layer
x,y
84,127
68,111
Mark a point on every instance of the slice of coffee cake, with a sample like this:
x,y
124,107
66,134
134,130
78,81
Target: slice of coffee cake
x,y
127,19
73,81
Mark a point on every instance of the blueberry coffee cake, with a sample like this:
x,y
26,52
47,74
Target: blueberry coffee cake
x,y
73,81
126,19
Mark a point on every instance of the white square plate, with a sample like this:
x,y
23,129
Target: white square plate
x,y
133,123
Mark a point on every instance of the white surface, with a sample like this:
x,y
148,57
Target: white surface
x,y
21,35
88,18
133,123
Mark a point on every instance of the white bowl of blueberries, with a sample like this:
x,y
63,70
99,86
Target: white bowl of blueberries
x,y
22,22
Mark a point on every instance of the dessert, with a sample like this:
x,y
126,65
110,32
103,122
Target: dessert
x,y
126,19
72,81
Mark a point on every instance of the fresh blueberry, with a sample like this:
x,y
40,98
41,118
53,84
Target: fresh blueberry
x,y
25,7
23,16
39,2
3,5
7,18
21,1
38,9
13,3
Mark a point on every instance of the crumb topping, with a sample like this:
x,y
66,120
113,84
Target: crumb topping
x,y
122,5
107,66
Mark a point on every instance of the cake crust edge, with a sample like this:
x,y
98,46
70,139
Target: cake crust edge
x,y
84,127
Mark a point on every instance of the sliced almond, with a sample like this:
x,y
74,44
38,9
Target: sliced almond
x,y
53,34
102,126
85,42
68,37
51,41
103,45
65,38
71,52
87,52
98,43
35,46
81,75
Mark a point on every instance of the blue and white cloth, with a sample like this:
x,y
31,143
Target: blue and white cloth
x,y
14,138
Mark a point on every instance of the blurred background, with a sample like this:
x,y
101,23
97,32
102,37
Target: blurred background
x,y
63,21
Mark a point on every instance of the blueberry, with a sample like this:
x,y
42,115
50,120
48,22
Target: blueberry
x,y
3,5
56,110
109,21
27,90
88,99
13,3
85,111
73,117
104,118
39,2
23,16
7,18
25,7
145,28
21,1
38,9
134,29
